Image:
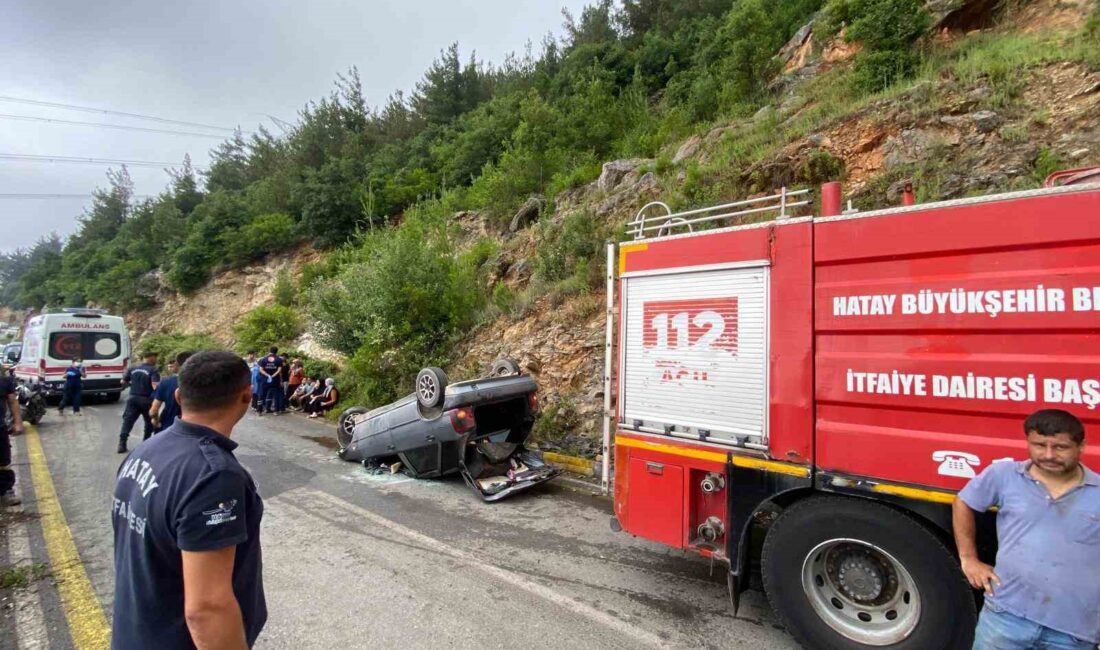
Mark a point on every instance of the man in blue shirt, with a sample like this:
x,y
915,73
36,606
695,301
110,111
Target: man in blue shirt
x,y
74,387
165,408
142,380
186,519
1044,591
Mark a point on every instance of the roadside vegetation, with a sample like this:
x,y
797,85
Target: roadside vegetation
x,y
18,577
377,185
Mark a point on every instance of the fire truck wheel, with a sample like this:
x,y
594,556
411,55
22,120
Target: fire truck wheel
x,y
846,573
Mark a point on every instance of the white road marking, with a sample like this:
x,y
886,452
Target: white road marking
x,y
30,620
311,497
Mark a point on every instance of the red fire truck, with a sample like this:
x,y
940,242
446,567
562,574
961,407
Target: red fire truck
x,y
804,396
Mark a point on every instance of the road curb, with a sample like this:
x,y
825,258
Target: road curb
x,y
573,464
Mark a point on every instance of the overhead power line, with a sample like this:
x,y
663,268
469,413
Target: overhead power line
x,y
61,196
89,109
121,127
84,161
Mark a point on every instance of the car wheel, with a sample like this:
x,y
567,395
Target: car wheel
x,y
430,386
113,397
345,426
847,574
504,367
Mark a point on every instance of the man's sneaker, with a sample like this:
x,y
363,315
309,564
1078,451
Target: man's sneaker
x,y
122,446
8,499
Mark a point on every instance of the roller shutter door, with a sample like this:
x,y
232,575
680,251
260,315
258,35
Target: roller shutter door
x,y
695,352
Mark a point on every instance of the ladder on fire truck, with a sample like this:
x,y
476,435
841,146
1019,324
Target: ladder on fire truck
x,y
661,225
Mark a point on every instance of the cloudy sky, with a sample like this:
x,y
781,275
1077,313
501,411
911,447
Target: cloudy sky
x,y
213,62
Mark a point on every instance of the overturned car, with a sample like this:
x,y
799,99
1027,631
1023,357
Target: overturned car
x,y
476,428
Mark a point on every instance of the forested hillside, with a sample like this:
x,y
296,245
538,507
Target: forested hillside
x,y
701,99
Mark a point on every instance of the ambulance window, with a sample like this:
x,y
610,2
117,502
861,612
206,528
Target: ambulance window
x,y
105,346
66,345
90,346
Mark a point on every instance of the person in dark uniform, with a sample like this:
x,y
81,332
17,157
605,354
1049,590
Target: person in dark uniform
x,y
8,400
166,408
272,370
142,380
186,519
74,387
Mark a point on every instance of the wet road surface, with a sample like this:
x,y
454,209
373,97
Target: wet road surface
x,y
352,559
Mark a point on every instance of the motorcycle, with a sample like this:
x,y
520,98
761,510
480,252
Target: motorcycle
x,y
32,403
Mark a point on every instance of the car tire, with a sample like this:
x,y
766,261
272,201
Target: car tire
x,y
113,397
504,367
346,424
431,387
907,591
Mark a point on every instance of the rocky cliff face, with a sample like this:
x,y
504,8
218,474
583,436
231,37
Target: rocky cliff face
x,y
218,306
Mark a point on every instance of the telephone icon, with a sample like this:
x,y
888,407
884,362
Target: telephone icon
x,y
956,463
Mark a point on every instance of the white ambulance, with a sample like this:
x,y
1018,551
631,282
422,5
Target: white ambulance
x,y
52,340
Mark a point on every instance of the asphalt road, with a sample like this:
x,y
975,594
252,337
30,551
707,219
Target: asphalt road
x,y
355,560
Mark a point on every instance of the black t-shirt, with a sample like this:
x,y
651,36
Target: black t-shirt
x,y
271,365
181,490
141,378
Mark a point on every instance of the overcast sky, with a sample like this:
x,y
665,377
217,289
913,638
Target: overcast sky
x,y
215,62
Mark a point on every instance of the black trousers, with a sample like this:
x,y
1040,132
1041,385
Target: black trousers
x,y
7,474
71,397
136,406
316,406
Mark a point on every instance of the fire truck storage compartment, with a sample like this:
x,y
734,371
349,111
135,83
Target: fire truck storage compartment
x,y
695,351
656,500
947,325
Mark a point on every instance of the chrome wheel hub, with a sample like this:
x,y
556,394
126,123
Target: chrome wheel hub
x,y
861,591
426,388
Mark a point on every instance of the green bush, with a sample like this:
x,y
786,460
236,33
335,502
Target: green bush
x,y
887,29
267,325
267,233
396,306
190,269
503,297
820,167
167,346
1046,163
562,248
284,292
877,71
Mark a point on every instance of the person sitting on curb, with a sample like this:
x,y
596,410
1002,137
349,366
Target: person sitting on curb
x,y
322,402
305,390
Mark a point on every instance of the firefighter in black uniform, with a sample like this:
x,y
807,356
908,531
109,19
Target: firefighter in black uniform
x,y
142,380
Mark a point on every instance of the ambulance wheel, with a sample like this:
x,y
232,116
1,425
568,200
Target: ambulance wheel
x,y
843,573
345,426
431,386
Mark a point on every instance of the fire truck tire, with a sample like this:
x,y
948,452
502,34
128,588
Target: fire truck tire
x,y
844,573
